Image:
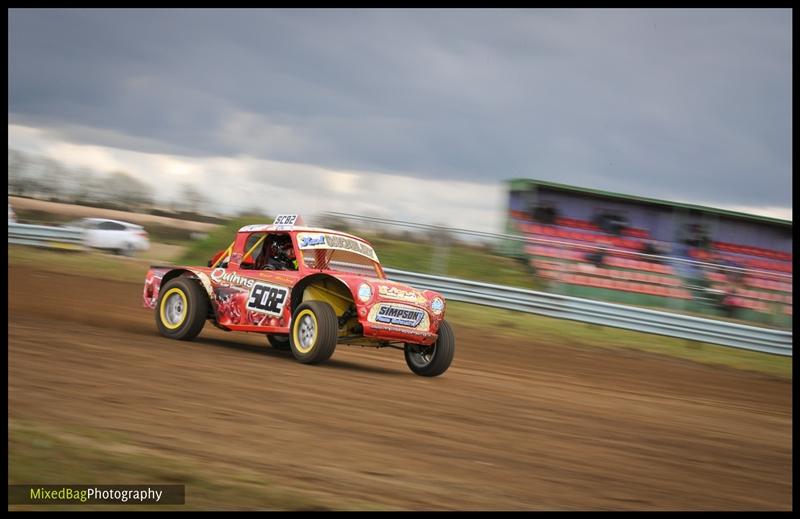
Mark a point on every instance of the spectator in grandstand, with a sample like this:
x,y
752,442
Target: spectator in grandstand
x,y
728,267
601,221
545,212
596,258
610,222
697,236
617,223
727,301
651,249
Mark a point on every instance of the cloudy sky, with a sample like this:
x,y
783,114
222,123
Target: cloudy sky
x,y
418,115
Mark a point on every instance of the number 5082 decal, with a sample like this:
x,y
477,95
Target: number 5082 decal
x,y
268,299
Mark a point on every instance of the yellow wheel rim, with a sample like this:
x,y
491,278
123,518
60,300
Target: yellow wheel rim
x,y
305,331
173,308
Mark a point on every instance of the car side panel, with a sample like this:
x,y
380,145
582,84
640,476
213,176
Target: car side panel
x,y
243,300
253,300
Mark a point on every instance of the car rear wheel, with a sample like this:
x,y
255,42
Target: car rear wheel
x,y
315,331
279,342
182,309
433,360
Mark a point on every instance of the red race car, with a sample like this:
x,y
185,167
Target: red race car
x,y
307,290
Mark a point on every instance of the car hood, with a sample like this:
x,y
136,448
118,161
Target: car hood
x,y
386,290
394,291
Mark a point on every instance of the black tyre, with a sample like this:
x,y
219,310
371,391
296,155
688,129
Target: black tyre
x,y
182,309
433,360
279,342
315,331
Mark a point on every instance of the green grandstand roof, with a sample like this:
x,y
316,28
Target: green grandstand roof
x,y
526,183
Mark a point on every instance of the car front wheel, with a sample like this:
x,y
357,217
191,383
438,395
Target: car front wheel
x,y
315,331
433,360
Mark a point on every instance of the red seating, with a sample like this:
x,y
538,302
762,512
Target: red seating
x,y
570,266
608,279
753,281
752,251
589,226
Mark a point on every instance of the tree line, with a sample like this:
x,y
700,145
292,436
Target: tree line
x,y
36,176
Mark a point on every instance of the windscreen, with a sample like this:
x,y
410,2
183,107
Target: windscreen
x,y
326,250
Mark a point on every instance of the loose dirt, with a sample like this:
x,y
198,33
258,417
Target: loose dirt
x,y
512,425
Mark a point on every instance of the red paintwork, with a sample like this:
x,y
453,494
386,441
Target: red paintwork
x,y
229,298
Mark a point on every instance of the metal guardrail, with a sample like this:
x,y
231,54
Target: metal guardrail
x,y
45,236
606,314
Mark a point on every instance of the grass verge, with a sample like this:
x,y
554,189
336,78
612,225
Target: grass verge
x,y
456,260
40,454
518,325
90,264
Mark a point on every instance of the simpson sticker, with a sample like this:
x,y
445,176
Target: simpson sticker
x,y
268,299
399,316
335,241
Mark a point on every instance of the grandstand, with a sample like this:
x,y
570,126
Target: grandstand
x,y
649,252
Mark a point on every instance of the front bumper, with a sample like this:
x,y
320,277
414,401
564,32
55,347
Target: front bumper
x,y
398,334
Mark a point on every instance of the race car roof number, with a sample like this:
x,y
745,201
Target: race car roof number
x,y
285,221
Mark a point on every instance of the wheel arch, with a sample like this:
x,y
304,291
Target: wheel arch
x,y
192,316
199,277
325,287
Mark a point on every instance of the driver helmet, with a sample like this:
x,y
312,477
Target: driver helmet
x,y
282,249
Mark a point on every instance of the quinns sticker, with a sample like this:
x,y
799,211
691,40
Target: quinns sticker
x,y
220,275
267,299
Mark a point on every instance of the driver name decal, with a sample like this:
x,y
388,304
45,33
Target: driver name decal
x,y
335,241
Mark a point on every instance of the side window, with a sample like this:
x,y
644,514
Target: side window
x,y
110,226
251,241
249,262
272,251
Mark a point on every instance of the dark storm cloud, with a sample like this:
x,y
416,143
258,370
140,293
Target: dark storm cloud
x,y
680,105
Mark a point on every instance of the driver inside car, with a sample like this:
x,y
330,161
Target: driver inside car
x,y
277,254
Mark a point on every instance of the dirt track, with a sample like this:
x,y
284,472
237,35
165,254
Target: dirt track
x,y
509,426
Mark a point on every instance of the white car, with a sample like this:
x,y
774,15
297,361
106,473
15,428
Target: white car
x,y
119,237
12,217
